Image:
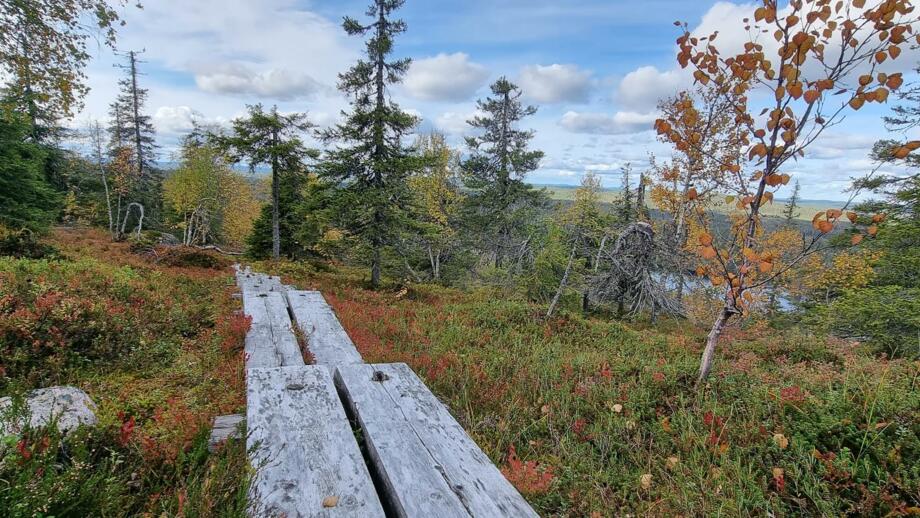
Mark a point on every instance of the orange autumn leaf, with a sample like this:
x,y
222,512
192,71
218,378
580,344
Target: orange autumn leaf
x,y
856,239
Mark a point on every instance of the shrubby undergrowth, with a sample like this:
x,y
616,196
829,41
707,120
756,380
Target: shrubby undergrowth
x,y
589,417
158,348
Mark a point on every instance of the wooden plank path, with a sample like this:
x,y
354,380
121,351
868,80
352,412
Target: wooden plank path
x,y
302,422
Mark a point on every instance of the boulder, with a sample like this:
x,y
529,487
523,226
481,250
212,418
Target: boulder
x,y
69,406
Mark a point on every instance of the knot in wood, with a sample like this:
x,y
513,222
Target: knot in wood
x,y
294,386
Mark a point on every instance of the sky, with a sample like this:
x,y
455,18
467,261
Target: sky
x,y
594,68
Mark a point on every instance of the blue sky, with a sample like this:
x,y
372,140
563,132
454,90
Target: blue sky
x,y
594,68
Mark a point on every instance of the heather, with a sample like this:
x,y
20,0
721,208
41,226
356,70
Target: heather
x,y
587,416
158,349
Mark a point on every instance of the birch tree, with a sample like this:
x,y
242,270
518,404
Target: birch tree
x,y
824,59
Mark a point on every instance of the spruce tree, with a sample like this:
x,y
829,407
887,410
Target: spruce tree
x,y
790,211
26,198
272,139
130,126
627,215
501,203
369,160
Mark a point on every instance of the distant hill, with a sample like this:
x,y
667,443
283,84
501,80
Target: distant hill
x,y
807,208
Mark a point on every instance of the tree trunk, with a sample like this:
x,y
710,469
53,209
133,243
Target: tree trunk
x,y
115,231
137,127
563,282
276,200
108,198
375,267
712,341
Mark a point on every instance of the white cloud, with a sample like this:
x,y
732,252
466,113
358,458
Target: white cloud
x,y
454,123
175,120
555,83
445,77
603,124
642,88
239,79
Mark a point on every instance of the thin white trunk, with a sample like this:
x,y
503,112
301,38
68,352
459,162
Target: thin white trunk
x,y
563,282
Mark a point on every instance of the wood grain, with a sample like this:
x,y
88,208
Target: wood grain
x,y
326,339
397,412
303,448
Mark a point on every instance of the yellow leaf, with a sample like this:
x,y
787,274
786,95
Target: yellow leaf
x,y
780,440
330,501
646,481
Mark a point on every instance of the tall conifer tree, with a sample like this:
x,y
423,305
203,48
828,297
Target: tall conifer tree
x,y
499,160
369,159
273,139
130,126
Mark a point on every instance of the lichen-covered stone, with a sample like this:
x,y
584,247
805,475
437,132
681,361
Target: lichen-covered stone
x,y
68,407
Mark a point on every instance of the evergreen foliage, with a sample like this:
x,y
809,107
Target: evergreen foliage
x,y
368,159
273,139
26,199
501,206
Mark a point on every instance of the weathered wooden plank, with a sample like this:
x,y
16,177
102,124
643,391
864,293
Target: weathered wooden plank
x,y
259,345
326,339
410,479
303,449
270,341
479,485
225,427
246,279
285,342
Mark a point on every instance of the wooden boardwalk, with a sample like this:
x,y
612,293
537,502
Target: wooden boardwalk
x,y
304,424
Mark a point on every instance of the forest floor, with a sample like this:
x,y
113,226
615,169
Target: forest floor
x,y
585,415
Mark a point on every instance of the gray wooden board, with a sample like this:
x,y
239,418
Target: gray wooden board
x,y
303,449
225,427
285,342
259,346
379,406
246,279
270,341
411,481
326,339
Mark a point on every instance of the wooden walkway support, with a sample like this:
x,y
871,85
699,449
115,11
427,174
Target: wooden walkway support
x,y
303,423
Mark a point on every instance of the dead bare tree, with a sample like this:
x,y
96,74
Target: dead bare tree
x,y
626,274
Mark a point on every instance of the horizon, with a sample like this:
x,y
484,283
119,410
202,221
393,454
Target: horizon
x,y
595,71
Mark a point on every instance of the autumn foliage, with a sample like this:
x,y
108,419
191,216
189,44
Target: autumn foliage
x,y
817,59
